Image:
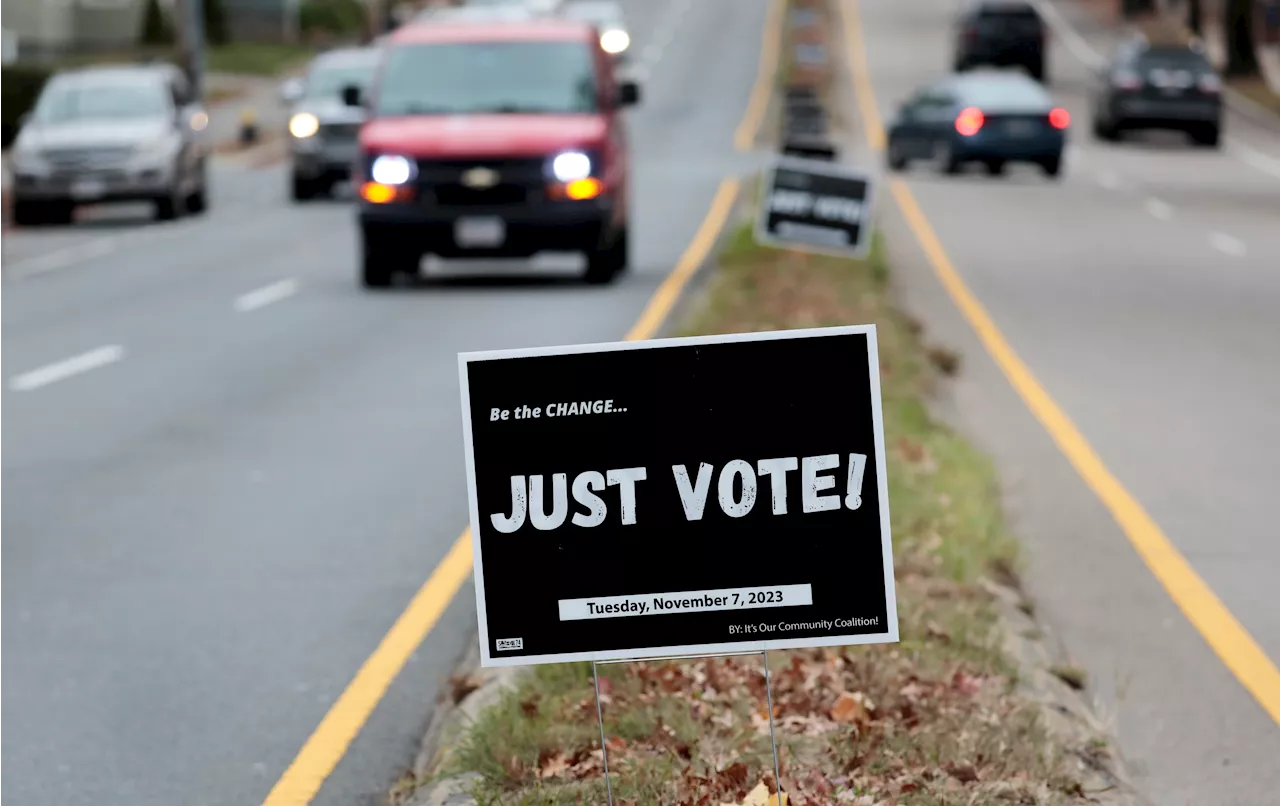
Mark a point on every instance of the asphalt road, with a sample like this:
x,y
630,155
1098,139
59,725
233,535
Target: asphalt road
x,y
213,520
1142,291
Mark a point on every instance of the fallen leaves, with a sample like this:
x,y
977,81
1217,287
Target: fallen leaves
x,y
852,709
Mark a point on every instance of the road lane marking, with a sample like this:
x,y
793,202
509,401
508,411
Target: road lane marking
x,y
1077,44
266,295
1159,209
1257,159
61,258
1227,244
1109,180
61,370
328,743
744,138
330,740
665,298
1228,638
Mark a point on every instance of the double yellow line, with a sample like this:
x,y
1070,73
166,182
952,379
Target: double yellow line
x,y
1206,612
328,743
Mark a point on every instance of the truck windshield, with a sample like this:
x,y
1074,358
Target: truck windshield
x,y
457,78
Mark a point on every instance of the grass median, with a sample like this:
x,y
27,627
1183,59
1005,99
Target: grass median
x,y
935,719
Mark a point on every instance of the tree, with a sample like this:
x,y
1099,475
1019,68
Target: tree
x,y
1195,17
215,23
1237,26
156,28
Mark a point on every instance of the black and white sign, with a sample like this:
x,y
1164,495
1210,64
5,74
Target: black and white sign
x,y
815,206
678,496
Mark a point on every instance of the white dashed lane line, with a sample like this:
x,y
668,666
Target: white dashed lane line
x,y
62,258
1159,209
1227,244
266,295
1109,180
67,368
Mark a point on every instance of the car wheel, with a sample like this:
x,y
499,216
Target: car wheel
x,y
303,189
1052,166
960,66
604,265
1208,136
894,153
1105,131
197,202
32,213
168,207
1037,71
944,158
381,261
995,167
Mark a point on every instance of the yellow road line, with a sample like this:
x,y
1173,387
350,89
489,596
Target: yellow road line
x,y
1206,612
744,138
330,740
665,298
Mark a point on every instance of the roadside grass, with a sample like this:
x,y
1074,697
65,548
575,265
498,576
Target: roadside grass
x,y
1257,90
257,58
238,58
934,719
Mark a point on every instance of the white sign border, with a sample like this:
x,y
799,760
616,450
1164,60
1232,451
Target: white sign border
x,y
866,230
889,636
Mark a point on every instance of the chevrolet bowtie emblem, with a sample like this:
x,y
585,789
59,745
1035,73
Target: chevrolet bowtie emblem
x,y
480,178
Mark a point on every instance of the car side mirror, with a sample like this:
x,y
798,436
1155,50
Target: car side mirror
x,y
351,95
291,90
628,93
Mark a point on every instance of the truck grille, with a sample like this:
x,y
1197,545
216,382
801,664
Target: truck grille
x,y
519,181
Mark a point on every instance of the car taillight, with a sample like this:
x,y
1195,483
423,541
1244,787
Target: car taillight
x,y
1126,80
1059,118
1209,83
969,121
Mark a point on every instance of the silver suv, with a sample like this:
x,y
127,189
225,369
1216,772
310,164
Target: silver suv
x,y
105,134
322,128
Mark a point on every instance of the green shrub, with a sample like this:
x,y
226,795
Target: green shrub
x,y
20,86
335,17
215,23
156,27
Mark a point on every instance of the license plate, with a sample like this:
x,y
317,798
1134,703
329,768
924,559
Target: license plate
x,y
88,188
1019,128
480,232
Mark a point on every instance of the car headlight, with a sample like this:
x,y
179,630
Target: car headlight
x,y
392,169
571,165
303,124
29,160
615,40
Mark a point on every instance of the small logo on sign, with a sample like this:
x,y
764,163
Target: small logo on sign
x,y
480,178
508,644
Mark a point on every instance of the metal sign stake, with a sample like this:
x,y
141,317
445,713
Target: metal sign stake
x,y
768,692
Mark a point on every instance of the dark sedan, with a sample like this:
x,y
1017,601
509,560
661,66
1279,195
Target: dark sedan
x,y
989,118
1158,86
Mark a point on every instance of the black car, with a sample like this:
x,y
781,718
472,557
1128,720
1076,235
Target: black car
x,y
1001,33
1158,86
992,118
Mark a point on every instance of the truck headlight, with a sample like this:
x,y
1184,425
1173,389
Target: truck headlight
x,y
391,169
303,125
571,165
615,40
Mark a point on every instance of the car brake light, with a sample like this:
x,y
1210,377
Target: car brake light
x,y
1209,83
1059,118
969,121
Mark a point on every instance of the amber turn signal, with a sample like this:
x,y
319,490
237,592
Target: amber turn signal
x,y
583,189
377,192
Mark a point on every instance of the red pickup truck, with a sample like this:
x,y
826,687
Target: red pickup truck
x,y
493,139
